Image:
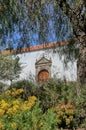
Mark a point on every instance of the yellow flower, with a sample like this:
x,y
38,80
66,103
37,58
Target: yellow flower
x,y
32,98
1,112
40,124
14,125
16,92
13,94
1,126
29,104
19,91
7,92
16,102
10,111
67,121
25,106
15,109
4,105
14,89
71,118
2,101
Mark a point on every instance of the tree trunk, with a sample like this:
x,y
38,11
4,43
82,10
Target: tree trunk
x,y
81,63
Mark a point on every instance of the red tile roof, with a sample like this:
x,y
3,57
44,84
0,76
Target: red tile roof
x,y
35,48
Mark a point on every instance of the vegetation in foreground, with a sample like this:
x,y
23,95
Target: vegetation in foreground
x,y
49,106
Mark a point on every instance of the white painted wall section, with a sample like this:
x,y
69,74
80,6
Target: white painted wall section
x,y
28,60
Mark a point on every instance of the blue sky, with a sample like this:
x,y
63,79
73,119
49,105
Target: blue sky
x,y
55,31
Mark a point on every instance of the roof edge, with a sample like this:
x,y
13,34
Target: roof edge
x,y
34,48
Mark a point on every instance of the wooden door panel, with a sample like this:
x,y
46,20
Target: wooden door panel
x,y
43,75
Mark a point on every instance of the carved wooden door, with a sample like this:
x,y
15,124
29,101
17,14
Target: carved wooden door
x,y
43,76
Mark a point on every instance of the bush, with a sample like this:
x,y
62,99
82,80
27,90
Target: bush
x,y
56,91
49,121
43,106
29,87
50,93
18,114
81,108
65,115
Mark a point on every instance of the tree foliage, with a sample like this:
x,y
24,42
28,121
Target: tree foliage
x,y
76,12
9,68
27,22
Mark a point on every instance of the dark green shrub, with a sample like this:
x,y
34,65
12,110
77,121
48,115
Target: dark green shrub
x,y
56,91
81,108
29,87
49,121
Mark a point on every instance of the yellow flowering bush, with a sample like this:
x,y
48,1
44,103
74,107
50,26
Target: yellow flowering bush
x,y
16,105
29,103
4,105
14,110
16,113
15,92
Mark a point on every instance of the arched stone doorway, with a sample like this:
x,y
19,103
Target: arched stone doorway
x,y
43,75
43,69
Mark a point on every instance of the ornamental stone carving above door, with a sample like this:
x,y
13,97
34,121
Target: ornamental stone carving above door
x,y
43,69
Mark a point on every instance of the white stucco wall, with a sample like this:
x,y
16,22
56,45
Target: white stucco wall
x,y
28,61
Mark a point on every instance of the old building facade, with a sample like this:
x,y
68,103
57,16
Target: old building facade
x,y
43,62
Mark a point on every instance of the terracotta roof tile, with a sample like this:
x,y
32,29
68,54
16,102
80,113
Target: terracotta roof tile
x,y
35,48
